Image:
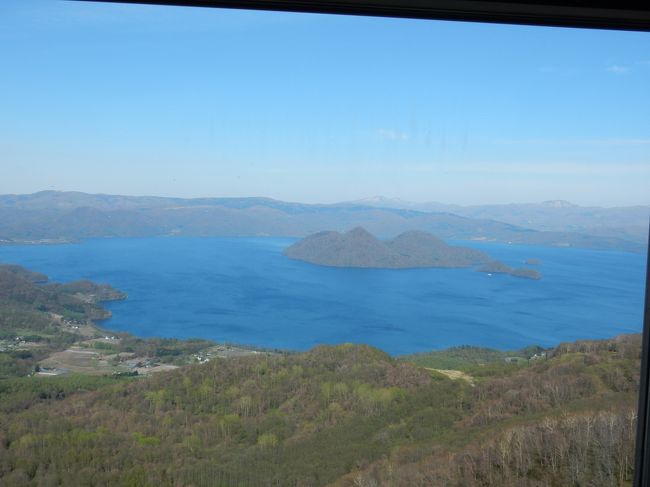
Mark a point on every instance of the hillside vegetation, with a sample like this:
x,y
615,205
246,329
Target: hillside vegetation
x,y
38,318
338,415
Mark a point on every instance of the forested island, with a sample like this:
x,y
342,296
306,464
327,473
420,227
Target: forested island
x,y
496,267
413,249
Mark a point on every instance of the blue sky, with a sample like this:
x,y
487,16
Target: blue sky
x,y
196,102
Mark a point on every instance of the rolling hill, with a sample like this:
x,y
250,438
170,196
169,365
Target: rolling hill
x,y
54,217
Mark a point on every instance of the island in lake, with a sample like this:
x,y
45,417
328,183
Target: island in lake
x,y
496,267
413,249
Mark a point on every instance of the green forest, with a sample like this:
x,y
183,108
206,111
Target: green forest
x,y
344,416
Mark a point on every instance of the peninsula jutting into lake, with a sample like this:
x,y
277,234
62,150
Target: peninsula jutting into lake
x,y
414,249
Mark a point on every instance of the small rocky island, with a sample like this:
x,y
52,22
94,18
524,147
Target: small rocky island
x,y
496,267
414,249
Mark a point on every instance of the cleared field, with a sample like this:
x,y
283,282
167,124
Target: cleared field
x,y
80,361
454,374
92,362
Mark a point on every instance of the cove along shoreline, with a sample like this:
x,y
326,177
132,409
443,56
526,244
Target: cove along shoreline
x,y
60,328
74,311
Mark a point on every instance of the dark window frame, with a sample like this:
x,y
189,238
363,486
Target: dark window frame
x,y
597,14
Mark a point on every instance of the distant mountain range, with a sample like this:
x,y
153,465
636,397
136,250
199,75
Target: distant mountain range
x,y
52,216
414,249
628,223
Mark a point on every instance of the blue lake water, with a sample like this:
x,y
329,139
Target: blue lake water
x,y
244,290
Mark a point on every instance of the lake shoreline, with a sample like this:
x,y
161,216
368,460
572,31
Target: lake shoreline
x,y
243,290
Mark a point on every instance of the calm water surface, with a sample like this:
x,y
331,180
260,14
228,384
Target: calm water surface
x,y
244,290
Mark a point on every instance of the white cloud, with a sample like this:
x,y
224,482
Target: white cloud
x,y
390,134
616,69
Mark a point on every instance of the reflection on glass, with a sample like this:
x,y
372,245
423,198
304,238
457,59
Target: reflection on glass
x,y
267,249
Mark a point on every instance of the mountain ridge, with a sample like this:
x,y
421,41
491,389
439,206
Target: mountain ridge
x,y
55,217
628,222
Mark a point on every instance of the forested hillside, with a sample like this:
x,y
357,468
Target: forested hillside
x,y
346,416
38,318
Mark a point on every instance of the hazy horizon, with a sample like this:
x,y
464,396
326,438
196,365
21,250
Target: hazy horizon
x,y
184,102
364,199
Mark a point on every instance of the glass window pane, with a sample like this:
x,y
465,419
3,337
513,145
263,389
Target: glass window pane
x,y
248,248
